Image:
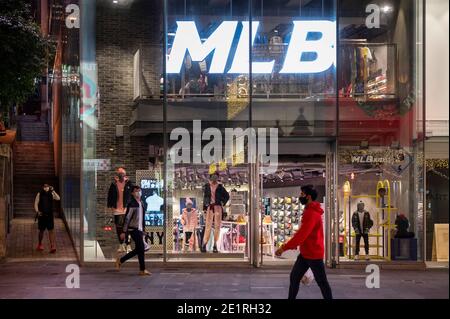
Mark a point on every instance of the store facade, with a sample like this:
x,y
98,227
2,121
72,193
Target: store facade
x,y
271,95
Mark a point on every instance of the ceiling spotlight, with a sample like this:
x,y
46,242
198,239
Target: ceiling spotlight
x,y
115,1
386,9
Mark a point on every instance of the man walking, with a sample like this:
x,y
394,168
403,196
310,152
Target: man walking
x,y
43,205
119,195
311,241
134,225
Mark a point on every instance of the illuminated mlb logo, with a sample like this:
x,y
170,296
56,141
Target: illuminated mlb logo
x,y
219,43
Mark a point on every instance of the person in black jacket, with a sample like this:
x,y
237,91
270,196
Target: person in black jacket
x,y
135,226
119,195
215,197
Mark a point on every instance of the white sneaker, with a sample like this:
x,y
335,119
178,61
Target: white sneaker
x,y
356,257
146,246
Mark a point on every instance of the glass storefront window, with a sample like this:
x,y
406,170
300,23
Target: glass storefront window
x,y
161,83
204,101
380,137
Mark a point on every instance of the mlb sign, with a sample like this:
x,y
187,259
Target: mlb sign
x,y
219,43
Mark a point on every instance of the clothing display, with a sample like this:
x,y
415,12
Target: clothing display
x,y
285,213
213,218
358,242
215,197
189,219
362,73
361,223
402,225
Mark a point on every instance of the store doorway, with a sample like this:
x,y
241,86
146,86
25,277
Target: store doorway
x,y
281,208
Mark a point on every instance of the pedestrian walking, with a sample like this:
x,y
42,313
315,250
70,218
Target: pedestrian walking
x,y
119,195
311,242
43,205
134,225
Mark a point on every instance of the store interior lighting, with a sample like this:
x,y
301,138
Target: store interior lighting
x,y
387,9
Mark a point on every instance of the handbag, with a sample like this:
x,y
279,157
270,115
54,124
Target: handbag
x,y
308,278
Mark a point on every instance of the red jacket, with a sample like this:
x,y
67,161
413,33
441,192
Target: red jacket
x,y
310,235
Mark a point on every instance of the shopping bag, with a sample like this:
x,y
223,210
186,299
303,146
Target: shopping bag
x,y
308,278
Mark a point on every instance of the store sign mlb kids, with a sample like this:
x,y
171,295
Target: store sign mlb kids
x,y
315,38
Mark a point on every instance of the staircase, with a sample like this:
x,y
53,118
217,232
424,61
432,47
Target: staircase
x,y
33,164
31,129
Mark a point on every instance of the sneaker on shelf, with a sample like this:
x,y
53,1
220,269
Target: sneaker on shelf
x,y
52,250
356,257
145,273
40,247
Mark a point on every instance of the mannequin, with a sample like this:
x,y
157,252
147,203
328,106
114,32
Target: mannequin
x,y
402,225
362,223
154,202
189,220
215,198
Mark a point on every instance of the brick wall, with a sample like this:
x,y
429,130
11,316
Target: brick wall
x,y
121,31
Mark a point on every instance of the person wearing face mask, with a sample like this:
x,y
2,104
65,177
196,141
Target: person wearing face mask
x,y
119,195
43,205
189,220
311,242
134,225
215,197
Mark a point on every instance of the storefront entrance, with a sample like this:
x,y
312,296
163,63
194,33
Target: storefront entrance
x,y
278,194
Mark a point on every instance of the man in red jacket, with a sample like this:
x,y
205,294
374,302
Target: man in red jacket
x,y
310,239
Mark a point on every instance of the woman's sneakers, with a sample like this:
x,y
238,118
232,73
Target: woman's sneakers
x,y
40,247
145,273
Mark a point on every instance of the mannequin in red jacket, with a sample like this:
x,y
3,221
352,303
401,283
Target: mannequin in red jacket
x,y
311,242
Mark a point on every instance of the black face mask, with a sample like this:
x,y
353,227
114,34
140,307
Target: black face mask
x,y
303,200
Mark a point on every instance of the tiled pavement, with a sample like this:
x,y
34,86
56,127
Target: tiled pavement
x,y
23,239
47,280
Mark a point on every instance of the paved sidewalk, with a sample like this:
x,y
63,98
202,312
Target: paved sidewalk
x,y
47,280
23,239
